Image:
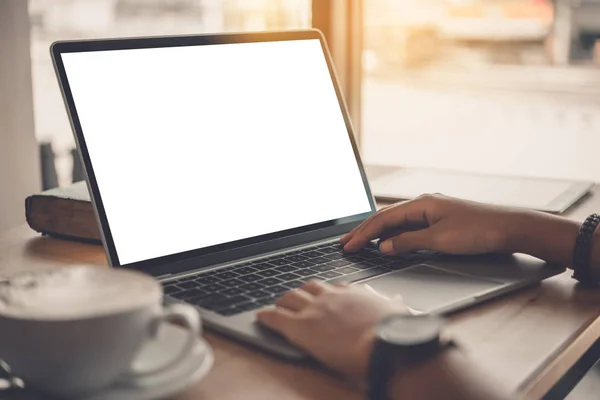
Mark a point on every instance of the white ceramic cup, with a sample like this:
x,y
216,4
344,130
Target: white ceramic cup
x,y
74,344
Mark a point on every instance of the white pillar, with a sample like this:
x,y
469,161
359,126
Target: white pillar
x,y
563,22
19,164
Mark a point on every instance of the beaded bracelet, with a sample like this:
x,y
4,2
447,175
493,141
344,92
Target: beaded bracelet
x,y
582,254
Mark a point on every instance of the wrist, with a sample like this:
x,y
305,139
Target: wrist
x,y
522,229
541,235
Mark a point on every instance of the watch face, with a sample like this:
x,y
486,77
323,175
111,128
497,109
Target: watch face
x,y
409,330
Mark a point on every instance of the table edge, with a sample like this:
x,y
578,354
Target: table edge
x,y
542,380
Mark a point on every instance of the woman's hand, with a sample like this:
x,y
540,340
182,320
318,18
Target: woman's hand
x,y
335,324
453,226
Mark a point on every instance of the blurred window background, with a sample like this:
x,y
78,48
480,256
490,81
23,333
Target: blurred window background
x,y
494,86
78,19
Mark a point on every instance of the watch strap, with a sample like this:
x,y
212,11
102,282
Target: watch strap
x,y
388,360
382,368
582,253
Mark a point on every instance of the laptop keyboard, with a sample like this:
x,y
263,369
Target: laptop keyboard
x,y
253,285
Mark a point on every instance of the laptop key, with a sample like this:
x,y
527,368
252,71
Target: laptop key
x,y
266,301
371,255
339,263
226,303
360,275
232,283
288,276
227,275
270,282
251,286
311,278
382,261
258,294
323,268
312,254
362,265
305,272
277,289
232,291
319,260
355,258
346,270
190,293
267,273
334,256
245,270
215,287
250,278
303,264
262,266
286,268
329,275
278,262
209,299
296,258
328,250
206,280
294,284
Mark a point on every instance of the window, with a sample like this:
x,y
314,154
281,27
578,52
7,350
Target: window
x,y
79,19
493,86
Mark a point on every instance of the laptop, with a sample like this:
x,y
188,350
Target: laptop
x,y
226,167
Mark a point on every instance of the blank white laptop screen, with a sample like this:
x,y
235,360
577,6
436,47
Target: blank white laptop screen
x,y
201,145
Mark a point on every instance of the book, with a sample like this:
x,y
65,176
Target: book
x,y
65,212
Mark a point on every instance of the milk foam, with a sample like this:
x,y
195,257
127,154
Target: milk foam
x,y
76,292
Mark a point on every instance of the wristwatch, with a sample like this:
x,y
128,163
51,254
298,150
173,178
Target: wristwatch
x,y
400,342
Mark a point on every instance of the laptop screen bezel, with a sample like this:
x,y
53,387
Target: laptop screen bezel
x,y
153,266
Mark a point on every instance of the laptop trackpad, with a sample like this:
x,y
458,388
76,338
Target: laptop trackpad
x,y
426,288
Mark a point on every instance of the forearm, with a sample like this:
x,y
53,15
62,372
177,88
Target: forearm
x,y
450,376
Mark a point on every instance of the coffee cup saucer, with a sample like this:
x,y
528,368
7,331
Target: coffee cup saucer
x,y
169,382
159,351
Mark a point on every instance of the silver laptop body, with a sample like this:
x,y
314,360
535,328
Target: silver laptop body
x,y
226,167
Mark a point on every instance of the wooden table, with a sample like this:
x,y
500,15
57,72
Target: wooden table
x,y
527,340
